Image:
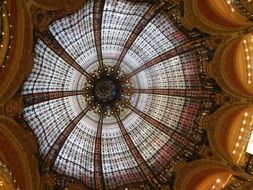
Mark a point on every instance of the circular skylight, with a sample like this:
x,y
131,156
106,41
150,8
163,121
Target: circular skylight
x,y
105,91
115,94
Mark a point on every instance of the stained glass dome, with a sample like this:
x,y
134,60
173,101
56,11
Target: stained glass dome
x,y
116,94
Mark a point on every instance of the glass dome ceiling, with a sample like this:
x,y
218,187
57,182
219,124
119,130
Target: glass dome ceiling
x,y
116,94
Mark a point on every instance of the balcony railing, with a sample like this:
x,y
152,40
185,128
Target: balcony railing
x,y
8,176
5,33
245,7
1,21
236,182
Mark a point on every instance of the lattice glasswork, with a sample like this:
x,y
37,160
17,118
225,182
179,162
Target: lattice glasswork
x,y
114,94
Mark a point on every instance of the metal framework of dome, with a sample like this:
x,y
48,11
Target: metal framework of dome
x,y
117,92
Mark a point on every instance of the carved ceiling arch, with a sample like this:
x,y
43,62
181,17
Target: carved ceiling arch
x,y
201,174
15,143
224,68
213,16
17,60
224,130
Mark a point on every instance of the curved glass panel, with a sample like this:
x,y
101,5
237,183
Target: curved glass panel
x,y
134,144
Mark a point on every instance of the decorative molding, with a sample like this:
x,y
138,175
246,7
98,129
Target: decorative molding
x,y
16,148
19,63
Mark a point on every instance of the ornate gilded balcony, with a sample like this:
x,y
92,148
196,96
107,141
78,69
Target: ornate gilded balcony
x,y
244,7
5,33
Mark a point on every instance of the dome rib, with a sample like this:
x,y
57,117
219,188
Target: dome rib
x,y
188,93
145,168
36,98
145,20
98,168
97,22
61,139
180,138
48,38
189,46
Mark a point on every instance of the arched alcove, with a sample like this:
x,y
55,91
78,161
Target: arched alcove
x,y
234,131
231,65
214,16
7,179
228,131
18,154
202,174
17,59
244,63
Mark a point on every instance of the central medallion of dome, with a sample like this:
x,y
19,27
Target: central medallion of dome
x,y
106,91
116,93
